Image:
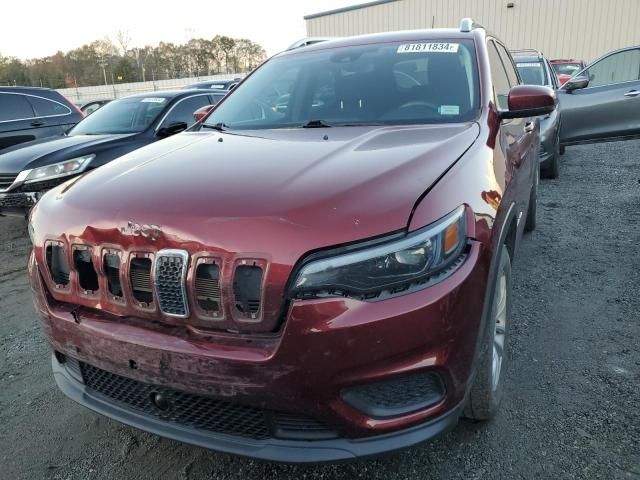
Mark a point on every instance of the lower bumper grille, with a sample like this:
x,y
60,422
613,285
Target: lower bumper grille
x,y
198,412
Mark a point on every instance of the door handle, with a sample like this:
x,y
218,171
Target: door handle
x,y
632,93
37,123
529,127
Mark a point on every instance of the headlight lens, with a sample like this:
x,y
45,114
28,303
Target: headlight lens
x,y
61,169
416,260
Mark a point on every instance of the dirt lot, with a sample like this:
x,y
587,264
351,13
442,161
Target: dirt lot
x,y
573,397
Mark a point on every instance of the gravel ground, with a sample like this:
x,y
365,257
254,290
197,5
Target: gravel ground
x,y
572,407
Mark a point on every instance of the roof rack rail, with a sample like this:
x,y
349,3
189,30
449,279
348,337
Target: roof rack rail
x,y
527,50
467,24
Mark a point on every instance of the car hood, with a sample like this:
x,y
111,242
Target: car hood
x,y
51,150
284,192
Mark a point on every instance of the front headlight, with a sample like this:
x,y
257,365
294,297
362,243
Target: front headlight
x,y
58,170
419,259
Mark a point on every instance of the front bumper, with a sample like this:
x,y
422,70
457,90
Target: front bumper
x,y
326,348
18,203
276,450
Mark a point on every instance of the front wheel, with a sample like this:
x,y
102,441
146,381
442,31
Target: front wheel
x,y
488,386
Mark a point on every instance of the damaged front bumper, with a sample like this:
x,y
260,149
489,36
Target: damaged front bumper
x,y
18,203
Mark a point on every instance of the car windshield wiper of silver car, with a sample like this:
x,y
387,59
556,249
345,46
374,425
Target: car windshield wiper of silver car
x,y
220,126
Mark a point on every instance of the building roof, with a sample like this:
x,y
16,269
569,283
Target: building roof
x,y
347,9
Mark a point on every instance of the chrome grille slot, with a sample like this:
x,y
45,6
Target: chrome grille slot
x,y
170,276
208,293
6,180
246,287
140,278
83,263
111,267
58,264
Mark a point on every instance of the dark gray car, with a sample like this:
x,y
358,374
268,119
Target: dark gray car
x,y
602,102
535,69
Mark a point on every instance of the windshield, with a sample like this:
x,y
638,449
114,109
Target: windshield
x,y
390,84
566,68
532,73
128,115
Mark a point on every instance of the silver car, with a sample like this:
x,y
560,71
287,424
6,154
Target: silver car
x,y
535,69
602,102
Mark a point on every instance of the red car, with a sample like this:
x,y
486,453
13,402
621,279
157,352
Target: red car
x,y
565,69
323,280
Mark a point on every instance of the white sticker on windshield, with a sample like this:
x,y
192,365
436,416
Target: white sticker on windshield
x,y
216,86
153,100
428,47
449,110
536,65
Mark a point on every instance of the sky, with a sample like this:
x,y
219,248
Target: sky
x,y
41,27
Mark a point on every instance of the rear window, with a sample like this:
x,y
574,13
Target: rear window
x,y
532,73
127,115
14,107
47,108
391,84
566,68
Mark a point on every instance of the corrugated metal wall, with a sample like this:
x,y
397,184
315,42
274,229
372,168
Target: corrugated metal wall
x,y
582,29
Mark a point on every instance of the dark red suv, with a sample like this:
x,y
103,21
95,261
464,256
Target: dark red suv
x,y
320,270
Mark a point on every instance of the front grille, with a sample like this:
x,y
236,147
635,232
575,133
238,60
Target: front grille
x,y
199,412
87,276
140,277
6,179
58,264
170,275
111,266
208,293
246,287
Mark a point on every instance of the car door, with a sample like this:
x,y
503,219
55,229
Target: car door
x,y
52,118
517,139
16,118
608,108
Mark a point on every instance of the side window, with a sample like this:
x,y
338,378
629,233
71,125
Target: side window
x,y
508,65
183,111
14,107
616,68
499,77
47,108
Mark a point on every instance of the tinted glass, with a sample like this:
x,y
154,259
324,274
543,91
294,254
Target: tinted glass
x,y
14,107
128,115
499,77
532,73
391,83
47,108
617,68
216,97
507,61
183,111
566,68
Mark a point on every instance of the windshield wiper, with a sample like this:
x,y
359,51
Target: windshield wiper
x,y
220,126
316,124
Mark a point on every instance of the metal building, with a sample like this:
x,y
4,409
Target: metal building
x,y
581,29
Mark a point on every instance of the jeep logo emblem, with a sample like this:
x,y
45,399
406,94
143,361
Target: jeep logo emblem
x,y
151,232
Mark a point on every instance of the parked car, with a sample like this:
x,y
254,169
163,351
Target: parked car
x,y
565,69
319,282
29,169
221,85
535,69
29,113
89,107
601,102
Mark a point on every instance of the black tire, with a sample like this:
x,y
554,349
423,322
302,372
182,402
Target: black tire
x,y
484,399
552,169
532,211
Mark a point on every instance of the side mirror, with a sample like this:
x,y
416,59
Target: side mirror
x,y
576,83
172,129
202,112
530,101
